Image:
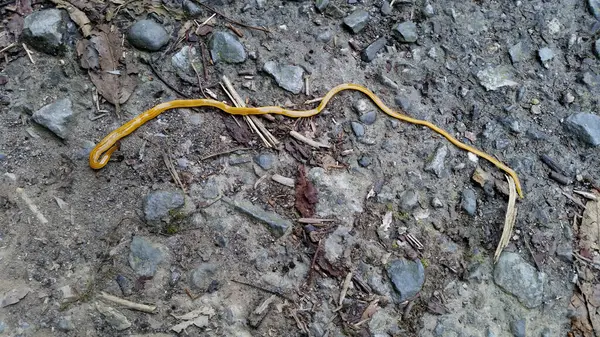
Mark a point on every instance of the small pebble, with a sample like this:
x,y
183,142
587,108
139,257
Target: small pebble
x,y
597,47
147,35
386,9
436,203
365,161
358,129
325,37
357,20
469,201
568,97
265,160
536,109
321,5
428,10
405,32
360,106
546,54
369,117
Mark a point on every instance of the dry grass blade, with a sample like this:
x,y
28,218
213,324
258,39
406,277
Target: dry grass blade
x,y
509,220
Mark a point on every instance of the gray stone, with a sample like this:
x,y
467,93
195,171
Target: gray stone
x,y
585,126
594,6
436,203
428,10
334,11
564,251
520,52
321,5
497,77
386,9
382,324
225,47
288,77
469,201
65,323
360,106
368,54
276,224
436,164
519,278
409,200
46,31
358,129
325,36
592,81
147,35
403,101
113,317
357,20
265,161
56,117
597,47
518,328
144,257
368,118
191,8
159,205
261,4
545,54
203,275
405,32
407,277
365,161
512,124
2,326
336,243
183,60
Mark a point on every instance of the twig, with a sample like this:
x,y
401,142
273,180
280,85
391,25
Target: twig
x,y
235,30
577,202
128,304
28,53
9,46
273,292
32,207
509,219
585,259
306,140
97,117
539,268
345,287
283,180
314,220
205,70
162,79
172,171
207,20
231,20
196,72
587,195
224,152
312,263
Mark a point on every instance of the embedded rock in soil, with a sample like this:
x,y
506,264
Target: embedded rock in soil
x,y
147,35
276,224
469,201
436,164
497,77
266,161
113,317
159,205
597,48
520,52
357,20
407,277
144,257
409,199
358,129
183,60
336,243
520,279
225,47
594,6
405,32
55,117
546,54
368,54
46,30
585,126
288,77
368,118
191,8
321,5
203,276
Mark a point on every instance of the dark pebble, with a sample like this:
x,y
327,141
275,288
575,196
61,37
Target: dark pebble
x,y
265,161
365,161
125,285
559,178
369,117
368,54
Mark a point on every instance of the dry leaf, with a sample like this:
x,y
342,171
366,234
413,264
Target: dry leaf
x,y
509,220
579,317
77,16
589,230
306,195
370,310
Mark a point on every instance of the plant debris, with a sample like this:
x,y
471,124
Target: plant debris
x,y
306,195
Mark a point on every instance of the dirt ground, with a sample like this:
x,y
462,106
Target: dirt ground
x,y
71,235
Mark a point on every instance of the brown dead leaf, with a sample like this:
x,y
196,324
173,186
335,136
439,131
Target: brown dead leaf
x,y
579,318
100,54
589,230
306,194
77,15
481,177
240,132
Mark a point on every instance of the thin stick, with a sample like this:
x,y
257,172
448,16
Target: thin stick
x,y
273,292
283,180
196,72
231,20
509,220
314,220
224,152
7,47
128,304
207,20
577,202
306,140
32,207
28,53
171,168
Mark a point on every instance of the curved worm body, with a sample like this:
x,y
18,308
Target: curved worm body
x,y
101,153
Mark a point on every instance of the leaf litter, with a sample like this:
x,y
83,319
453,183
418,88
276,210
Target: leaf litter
x,y
306,194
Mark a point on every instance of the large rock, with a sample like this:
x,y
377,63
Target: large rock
x,y
56,117
225,47
288,77
147,35
585,126
357,20
159,205
144,257
46,31
407,277
519,278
